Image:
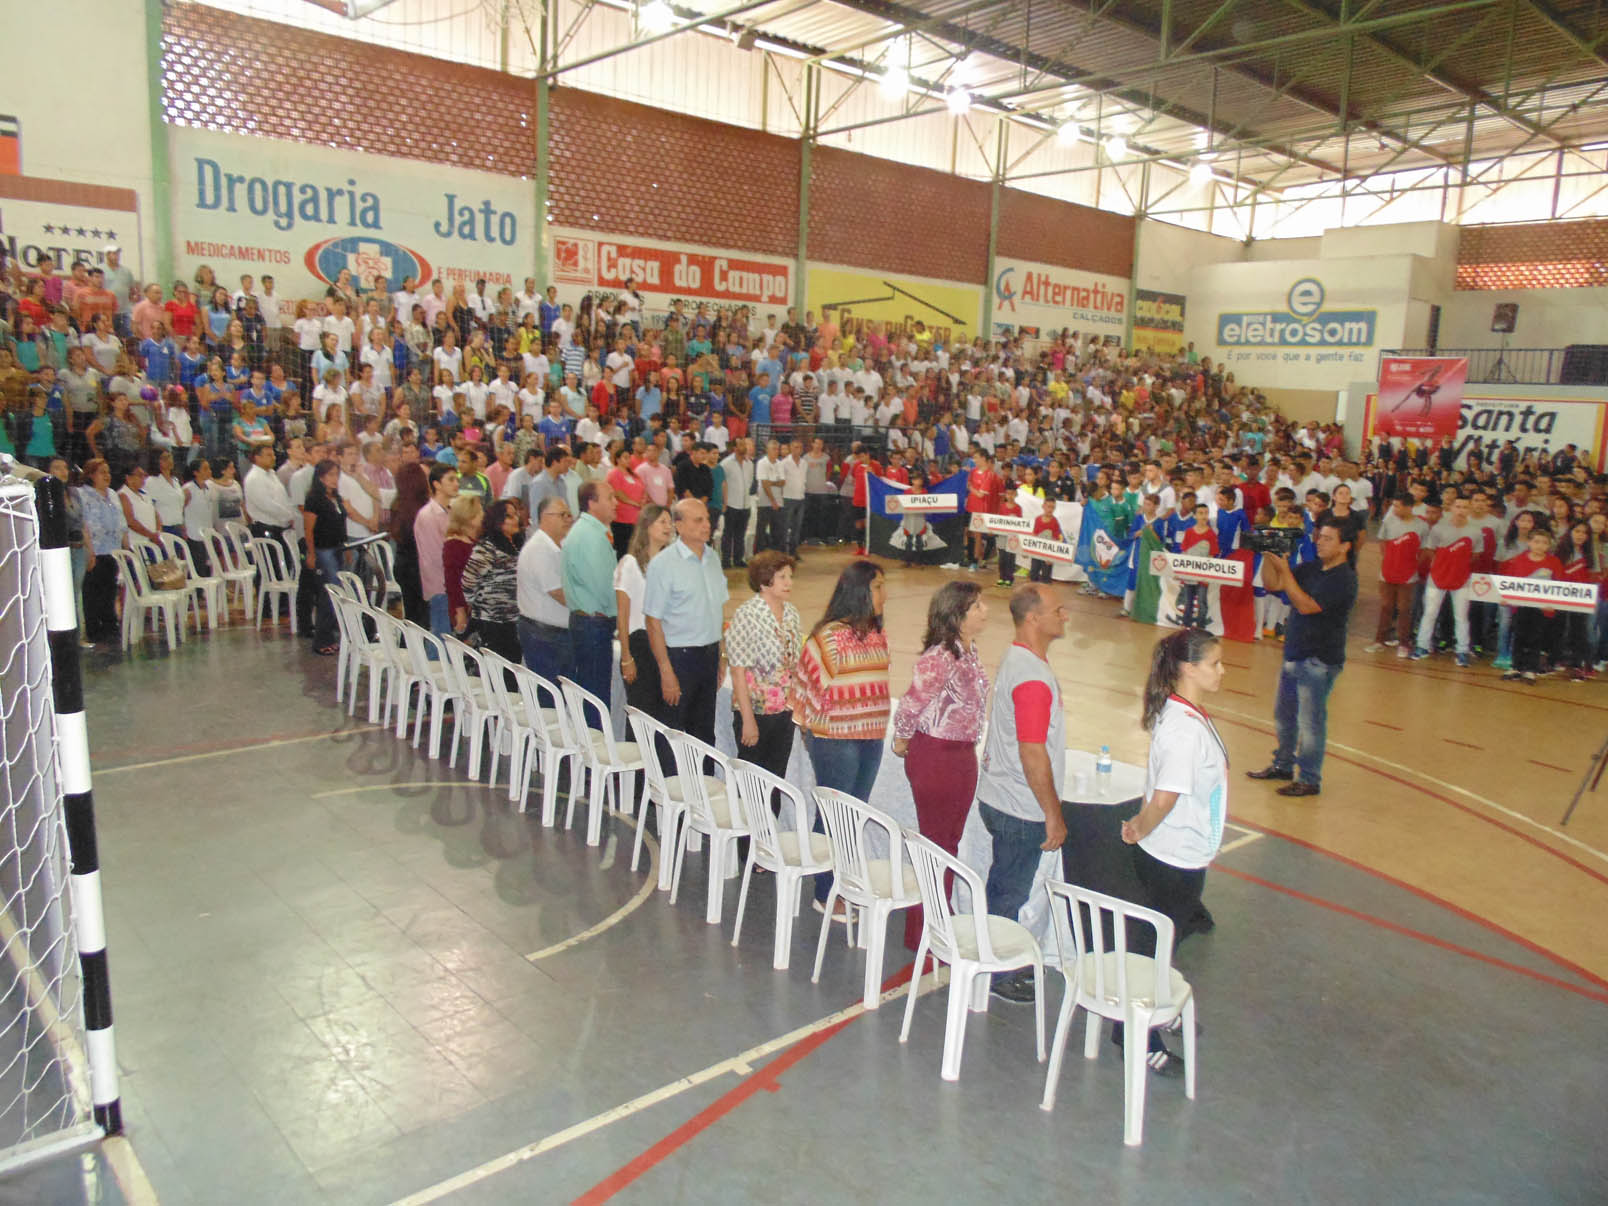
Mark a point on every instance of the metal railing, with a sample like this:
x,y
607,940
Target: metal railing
x,y
1504,366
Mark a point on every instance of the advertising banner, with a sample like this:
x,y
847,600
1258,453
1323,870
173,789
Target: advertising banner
x,y
851,297
928,535
302,213
1209,570
1158,322
1421,396
1014,525
1552,593
1040,300
1048,550
1537,419
924,502
586,261
68,222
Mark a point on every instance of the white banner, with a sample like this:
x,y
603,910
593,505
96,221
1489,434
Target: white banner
x,y
923,502
1188,568
1040,299
67,230
1046,550
587,260
1012,524
1534,592
301,213
1539,419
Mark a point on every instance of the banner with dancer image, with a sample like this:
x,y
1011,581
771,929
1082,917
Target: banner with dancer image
x,y
1420,397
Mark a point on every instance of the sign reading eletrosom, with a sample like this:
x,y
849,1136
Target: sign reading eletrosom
x,y
302,213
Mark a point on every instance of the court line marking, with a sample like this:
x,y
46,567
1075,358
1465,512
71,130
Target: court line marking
x,y
128,1172
235,749
1407,931
740,1064
1249,836
348,791
619,914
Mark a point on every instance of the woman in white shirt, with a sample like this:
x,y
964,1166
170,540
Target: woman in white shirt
x,y
138,510
448,357
1179,829
377,355
653,532
200,509
166,495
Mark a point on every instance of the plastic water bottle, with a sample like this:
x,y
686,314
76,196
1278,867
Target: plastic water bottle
x,y
1102,772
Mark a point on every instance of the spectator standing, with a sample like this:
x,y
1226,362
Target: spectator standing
x,y
324,528
465,523
543,613
630,499
938,721
1321,593
1452,543
588,565
841,700
429,536
651,534
683,601
770,479
763,641
794,473
104,529
490,579
1401,539
1024,764
737,483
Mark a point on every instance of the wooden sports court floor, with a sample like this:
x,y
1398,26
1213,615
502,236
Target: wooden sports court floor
x,y
342,974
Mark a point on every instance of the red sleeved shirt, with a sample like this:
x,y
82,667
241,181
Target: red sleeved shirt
x,y
1399,560
1046,526
983,487
1193,538
1453,563
1032,701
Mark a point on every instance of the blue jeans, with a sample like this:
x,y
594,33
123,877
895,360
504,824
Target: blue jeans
x,y
440,617
592,649
547,649
846,765
1302,715
329,573
1504,634
1017,851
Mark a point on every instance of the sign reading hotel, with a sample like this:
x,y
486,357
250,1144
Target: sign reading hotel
x,y
302,213
1042,296
67,222
585,261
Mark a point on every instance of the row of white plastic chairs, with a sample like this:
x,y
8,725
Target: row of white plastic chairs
x,y
505,709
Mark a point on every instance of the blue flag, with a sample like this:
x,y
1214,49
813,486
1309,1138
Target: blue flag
x,y
1102,554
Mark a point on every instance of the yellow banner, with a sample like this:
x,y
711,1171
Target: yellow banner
x,y
851,299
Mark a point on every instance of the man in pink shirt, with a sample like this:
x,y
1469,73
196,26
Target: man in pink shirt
x,y
148,312
656,477
429,535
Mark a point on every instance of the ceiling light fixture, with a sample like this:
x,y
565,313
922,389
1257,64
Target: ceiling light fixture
x,y
656,16
1116,147
895,82
959,101
1068,134
1200,172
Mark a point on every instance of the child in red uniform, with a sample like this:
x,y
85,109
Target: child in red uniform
x,y
1007,560
983,490
1533,627
1046,527
1201,540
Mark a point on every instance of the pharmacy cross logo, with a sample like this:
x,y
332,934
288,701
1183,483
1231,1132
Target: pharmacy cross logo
x,y
368,257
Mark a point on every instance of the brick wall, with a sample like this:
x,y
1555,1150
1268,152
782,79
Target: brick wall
x,y
873,213
1032,227
1535,255
645,172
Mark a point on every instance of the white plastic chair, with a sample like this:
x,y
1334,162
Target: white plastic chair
x,y
275,579
237,575
874,886
389,652
511,730
648,732
548,745
359,651
613,765
429,675
140,601
714,816
473,714
202,588
352,584
385,558
1139,991
975,944
790,853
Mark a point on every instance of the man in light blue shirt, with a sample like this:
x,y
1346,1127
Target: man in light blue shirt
x,y
588,557
683,604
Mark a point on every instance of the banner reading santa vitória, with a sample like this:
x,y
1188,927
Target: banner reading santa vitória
x,y
1539,419
301,213
1551,593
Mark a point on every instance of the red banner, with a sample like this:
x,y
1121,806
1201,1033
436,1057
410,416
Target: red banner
x,y
608,264
1420,397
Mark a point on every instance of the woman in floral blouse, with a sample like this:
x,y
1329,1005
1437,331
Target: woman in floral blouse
x,y
762,647
940,719
840,699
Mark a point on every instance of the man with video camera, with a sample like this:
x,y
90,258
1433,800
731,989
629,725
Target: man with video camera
x,y
1321,594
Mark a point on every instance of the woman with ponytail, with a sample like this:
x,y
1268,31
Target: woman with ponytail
x,y
1177,832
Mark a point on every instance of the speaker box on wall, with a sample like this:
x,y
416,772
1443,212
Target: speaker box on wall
x,y
1505,317
1584,364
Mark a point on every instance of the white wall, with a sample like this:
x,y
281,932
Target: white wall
x,y
1548,318
96,134
1432,240
1285,249
1168,255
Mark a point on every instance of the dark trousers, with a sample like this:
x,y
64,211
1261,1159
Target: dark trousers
x,y
818,511
732,535
1007,568
1534,634
1016,858
943,781
696,668
1173,891
546,648
1039,570
1194,605
775,745
770,531
642,692
307,594
592,649
622,537
100,599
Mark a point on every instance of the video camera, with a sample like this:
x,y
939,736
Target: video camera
x,y
1282,542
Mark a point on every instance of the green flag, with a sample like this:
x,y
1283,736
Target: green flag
x,y
1148,587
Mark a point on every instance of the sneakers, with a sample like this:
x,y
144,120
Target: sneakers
x,y
1391,641
1420,653
1017,989
1298,788
1403,653
1160,1060
1512,676
1003,582
1529,676
1376,647
1462,661
1502,663
1577,676
1273,771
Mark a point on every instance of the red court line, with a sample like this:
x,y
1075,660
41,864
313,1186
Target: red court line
x,y
1467,745
766,1078
1468,680
1423,894
1382,725
1237,691
1430,939
1551,766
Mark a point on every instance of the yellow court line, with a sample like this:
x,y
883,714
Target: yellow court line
x,y
347,791
235,749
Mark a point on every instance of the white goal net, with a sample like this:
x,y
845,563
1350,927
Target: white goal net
x,y
45,1094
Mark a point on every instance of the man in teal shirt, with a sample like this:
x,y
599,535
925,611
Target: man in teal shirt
x,y
588,564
